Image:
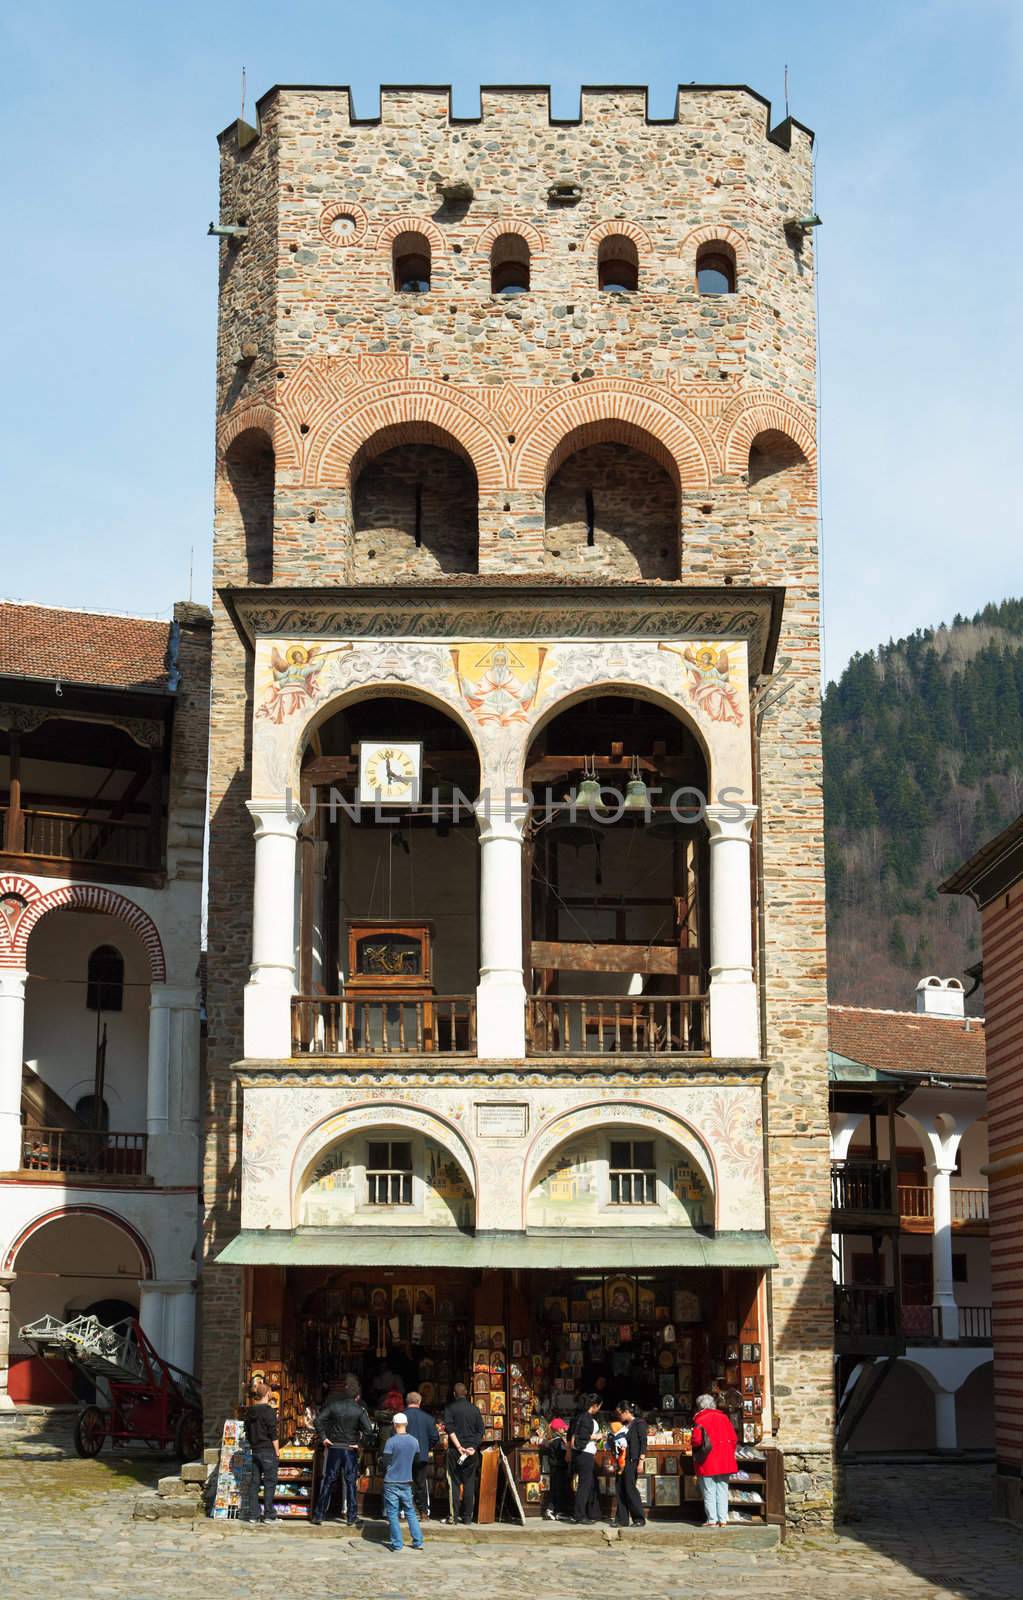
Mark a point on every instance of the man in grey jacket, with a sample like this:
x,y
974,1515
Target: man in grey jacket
x,y
344,1425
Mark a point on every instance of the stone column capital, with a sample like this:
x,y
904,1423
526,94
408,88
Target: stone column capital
x,y
12,982
283,816
501,817
733,821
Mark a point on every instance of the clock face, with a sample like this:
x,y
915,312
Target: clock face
x,y
389,772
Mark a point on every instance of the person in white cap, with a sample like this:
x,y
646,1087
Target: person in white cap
x,y
399,1458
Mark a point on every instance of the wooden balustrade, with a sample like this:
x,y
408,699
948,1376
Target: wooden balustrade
x,y
86,1152
71,836
916,1206
384,1023
591,1024
861,1185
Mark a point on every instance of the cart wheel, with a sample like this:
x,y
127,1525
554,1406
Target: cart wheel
x,y
90,1431
188,1435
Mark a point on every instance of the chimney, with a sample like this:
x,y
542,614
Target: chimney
x,y
940,997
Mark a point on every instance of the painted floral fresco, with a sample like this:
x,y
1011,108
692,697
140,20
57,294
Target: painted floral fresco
x,y
572,1191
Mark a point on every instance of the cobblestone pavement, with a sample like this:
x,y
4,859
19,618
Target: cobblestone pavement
x,y
922,1533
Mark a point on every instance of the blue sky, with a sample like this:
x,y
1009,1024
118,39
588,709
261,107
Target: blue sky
x,y
109,119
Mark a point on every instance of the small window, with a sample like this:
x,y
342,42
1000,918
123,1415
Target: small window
x,y
105,987
715,269
633,1174
509,265
412,263
93,1113
389,1172
617,265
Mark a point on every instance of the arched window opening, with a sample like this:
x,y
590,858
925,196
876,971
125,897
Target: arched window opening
x,y
509,265
412,1177
411,258
619,889
388,883
715,268
597,1178
780,477
105,986
415,513
617,265
247,502
614,509
93,1112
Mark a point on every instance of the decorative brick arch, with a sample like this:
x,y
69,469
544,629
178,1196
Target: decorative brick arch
x,y
411,411
525,230
601,411
59,1212
717,233
761,411
16,929
342,208
625,230
261,418
392,230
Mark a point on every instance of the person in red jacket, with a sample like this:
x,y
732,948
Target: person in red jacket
x,y
714,1443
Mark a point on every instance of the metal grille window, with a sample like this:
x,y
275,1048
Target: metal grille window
x,y
633,1173
389,1172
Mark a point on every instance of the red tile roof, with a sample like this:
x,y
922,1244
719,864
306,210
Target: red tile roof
x,y
904,1041
83,647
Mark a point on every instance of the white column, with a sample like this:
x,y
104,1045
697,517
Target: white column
x,y
945,1435
12,1057
167,1315
501,995
734,1021
272,975
172,1084
5,1338
944,1288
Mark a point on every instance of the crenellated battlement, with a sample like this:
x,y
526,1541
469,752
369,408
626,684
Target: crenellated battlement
x,y
507,106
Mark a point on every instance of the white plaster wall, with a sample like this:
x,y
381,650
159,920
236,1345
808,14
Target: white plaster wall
x,y
165,1221
60,1030
69,1264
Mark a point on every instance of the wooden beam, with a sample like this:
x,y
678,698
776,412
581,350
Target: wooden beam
x,y
577,956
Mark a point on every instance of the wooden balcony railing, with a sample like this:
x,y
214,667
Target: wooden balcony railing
x,y
70,836
865,1312
975,1324
383,1023
923,1324
590,1024
916,1205
862,1186
84,1152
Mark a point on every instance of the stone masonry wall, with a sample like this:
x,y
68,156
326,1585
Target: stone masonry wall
x,y
695,383
385,515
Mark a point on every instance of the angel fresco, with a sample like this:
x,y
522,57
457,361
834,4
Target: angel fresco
x,y
709,678
296,676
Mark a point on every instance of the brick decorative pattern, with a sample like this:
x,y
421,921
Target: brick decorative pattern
x,y
20,914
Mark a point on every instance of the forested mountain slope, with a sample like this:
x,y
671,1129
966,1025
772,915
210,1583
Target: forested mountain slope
x,y
923,761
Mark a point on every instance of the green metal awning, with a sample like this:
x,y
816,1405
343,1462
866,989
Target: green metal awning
x,y
546,1252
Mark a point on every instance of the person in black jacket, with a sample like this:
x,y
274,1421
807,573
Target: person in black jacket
x,y
344,1425
424,1430
464,1423
629,1503
558,1457
585,1433
261,1433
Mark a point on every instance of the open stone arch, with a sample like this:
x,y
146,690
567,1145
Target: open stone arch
x,y
637,690
147,1268
600,412
600,1118
20,914
496,230
620,228
409,412
363,1118
377,686
759,412
269,422
716,233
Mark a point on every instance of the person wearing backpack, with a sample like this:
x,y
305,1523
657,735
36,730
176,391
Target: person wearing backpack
x,y
714,1442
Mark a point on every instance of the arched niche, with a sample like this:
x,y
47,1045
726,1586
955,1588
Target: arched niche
x,y
385,1166
621,1170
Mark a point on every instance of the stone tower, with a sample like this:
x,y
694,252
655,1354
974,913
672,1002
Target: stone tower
x,y
515,451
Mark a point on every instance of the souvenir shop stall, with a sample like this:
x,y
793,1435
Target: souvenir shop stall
x,y
527,1344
